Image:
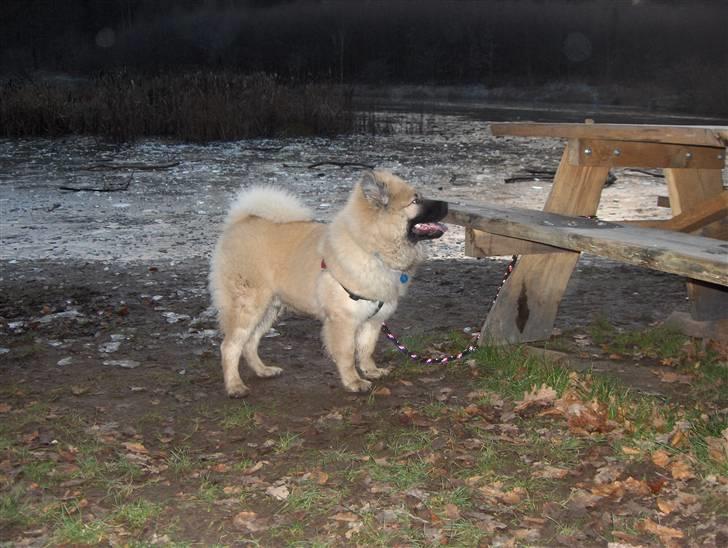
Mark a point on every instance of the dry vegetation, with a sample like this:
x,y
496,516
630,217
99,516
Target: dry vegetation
x,y
199,106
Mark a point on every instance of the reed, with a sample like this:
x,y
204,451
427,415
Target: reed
x,y
197,106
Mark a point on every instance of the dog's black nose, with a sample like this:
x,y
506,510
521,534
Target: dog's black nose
x,y
434,210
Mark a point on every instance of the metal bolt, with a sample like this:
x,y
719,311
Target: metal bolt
x,y
688,155
588,151
617,152
720,156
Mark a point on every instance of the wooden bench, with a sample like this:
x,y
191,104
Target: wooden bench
x,y
692,244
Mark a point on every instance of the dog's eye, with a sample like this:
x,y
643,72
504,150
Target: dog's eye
x,y
417,200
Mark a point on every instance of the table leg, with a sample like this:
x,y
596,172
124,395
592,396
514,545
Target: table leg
x,y
527,304
688,188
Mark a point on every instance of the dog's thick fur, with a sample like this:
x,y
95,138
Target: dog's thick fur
x,y
272,254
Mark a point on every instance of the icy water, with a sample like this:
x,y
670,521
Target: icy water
x,y
174,214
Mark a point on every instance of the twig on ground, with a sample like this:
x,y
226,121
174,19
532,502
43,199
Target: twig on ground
x,y
657,174
128,165
105,188
265,149
340,164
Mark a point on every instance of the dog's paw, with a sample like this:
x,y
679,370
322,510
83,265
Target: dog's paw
x,y
376,372
358,385
269,371
237,391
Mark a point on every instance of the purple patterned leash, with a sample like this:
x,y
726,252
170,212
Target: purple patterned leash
x,y
453,357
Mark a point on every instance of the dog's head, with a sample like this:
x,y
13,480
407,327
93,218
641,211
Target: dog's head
x,y
398,207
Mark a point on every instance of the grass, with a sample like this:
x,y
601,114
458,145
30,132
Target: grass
x,y
287,441
311,499
14,511
410,473
237,415
71,529
656,342
179,461
136,515
209,491
511,372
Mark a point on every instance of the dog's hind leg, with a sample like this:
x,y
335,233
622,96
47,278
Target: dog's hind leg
x,y
366,341
238,324
339,338
250,348
231,348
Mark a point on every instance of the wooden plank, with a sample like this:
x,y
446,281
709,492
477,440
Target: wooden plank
x,y
705,212
527,304
612,153
711,136
674,252
688,189
482,244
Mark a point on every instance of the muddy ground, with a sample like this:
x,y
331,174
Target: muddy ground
x,y
109,351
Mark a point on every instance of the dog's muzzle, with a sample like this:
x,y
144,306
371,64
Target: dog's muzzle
x,y
426,226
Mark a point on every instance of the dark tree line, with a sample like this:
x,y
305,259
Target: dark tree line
x,y
679,44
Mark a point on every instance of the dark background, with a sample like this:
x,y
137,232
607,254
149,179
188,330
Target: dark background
x,y
644,51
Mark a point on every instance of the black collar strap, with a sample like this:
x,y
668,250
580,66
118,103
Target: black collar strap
x,y
354,296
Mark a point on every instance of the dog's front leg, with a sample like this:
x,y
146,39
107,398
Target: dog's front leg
x,y
339,335
366,341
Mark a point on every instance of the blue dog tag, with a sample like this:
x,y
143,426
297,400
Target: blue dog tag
x,y
404,278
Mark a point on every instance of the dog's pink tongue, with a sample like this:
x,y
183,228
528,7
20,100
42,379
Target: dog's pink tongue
x,y
429,228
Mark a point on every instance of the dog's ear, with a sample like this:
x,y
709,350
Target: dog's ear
x,y
376,191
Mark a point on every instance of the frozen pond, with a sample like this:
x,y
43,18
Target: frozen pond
x,y
174,214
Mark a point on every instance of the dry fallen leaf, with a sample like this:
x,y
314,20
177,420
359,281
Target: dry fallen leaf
x,y
220,467
514,496
4,407
452,511
672,377
382,391
665,506
253,469
249,521
551,472
280,492
135,447
540,397
682,470
660,458
666,534
349,517
617,489
718,447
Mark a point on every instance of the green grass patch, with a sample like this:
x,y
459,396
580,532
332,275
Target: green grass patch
x,y
180,461
237,416
287,441
655,342
312,499
412,472
70,528
511,372
136,515
14,511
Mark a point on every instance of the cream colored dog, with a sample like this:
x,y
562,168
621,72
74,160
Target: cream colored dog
x,y
349,273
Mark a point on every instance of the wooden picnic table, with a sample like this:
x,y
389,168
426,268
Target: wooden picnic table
x,y
692,158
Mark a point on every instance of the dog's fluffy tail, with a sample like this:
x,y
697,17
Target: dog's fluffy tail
x,y
273,204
